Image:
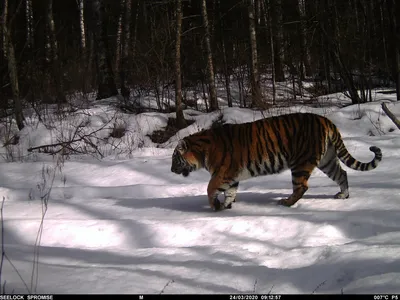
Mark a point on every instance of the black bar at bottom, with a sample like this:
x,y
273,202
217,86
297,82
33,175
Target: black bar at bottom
x,y
202,296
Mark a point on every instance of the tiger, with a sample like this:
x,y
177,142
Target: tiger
x,y
297,141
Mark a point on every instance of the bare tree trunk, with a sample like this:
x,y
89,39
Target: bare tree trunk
x,y
5,20
180,118
29,23
126,41
135,28
334,48
305,50
12,68
106,83
384,42
277,22
393,8
119,37
266,8
53,59
210,65
225,62
256,99
51,35
81,24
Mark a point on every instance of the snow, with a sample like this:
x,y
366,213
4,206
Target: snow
x,y
124,223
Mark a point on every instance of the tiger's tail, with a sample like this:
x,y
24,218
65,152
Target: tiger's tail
x,y
346,158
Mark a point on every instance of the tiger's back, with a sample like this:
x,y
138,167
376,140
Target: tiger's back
x,y
299,142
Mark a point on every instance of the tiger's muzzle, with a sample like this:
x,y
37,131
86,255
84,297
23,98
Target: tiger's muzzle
x,y
180,166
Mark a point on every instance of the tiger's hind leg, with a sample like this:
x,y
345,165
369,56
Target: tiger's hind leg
x,y
300,176
330,165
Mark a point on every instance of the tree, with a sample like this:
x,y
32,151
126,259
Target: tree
x,y
105,75
126,48
277,23
81,24
9,52
29,23
210,65
394,10
180,119
304,48
52,54
256,98
224,58
266,7
119,36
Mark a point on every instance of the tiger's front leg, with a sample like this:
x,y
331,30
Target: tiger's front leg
x,y
230,194
218,185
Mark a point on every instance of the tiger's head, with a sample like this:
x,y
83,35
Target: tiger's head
x,y
184,159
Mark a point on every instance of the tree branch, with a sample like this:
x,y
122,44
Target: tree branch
x,y
391,115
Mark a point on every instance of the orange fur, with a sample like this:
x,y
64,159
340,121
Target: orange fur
x,y
299,142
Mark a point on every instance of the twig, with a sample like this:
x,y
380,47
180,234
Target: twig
x,y
318,286
44,199
18,273
165,286
255,286
270,291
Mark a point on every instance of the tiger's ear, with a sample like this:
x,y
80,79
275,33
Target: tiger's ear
x,y
182,145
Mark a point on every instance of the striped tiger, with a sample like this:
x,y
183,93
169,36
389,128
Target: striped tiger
x,y
235,152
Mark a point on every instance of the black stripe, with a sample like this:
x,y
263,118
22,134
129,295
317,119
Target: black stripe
x,y
281,163
235,184
203,140
267,169
350,160
271,155
300,174
250,170
342,152
373,164
278,137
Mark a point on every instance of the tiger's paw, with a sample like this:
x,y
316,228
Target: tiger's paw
x,y
341,195
229,206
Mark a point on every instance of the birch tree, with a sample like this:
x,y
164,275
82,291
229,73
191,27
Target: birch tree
x,y
29,23
210,64
180,119
255,78
81,24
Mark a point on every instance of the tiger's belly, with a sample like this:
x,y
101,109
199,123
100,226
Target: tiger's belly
x,y
255,170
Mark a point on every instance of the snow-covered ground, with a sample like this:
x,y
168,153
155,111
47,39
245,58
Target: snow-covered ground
x,y
125,224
